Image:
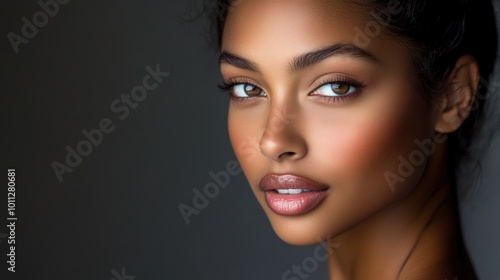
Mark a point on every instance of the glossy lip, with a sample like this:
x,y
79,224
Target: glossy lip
x,y
292,204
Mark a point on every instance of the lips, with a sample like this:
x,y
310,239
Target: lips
x,y
292,195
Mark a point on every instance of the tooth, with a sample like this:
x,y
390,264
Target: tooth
x,y
294,191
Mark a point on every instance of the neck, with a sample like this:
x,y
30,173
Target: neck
x,y
416,237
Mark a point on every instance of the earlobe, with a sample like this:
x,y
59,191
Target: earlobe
x,y
459,95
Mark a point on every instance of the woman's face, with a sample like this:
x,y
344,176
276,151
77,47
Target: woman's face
x,y
321,114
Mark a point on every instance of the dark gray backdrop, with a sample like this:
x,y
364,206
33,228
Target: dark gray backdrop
x,y
116,215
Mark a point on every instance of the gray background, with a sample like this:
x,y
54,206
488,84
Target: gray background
x,y
119,207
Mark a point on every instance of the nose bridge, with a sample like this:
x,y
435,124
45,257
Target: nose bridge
x,y
282,115
281,138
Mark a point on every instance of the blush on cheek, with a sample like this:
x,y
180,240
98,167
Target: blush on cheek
x,y
243,136
361,151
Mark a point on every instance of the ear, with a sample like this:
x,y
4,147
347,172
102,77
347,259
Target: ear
x,y
459,95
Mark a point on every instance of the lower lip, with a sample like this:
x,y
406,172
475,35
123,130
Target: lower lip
x,y
294,204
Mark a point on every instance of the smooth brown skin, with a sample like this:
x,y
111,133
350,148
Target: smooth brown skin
x,y
373,232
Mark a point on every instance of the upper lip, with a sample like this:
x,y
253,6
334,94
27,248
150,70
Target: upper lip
x,y
288,181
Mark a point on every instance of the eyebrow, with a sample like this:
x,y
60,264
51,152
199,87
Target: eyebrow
x,y
311,58
304,60
240,62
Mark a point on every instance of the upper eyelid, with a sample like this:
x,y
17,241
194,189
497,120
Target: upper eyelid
x,y
334,77
242,80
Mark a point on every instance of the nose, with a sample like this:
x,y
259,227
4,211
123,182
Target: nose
x,y
282,139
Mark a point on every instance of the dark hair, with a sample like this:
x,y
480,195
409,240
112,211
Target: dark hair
x,y
440,31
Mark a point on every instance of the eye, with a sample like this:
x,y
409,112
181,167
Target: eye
x,y
247,90
336,89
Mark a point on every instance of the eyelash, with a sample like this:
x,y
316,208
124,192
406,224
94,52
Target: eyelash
x,y
228,87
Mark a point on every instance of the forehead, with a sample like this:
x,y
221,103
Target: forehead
x,y
269,29
294,20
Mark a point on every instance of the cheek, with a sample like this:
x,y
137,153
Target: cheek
x,y
244,133
358,148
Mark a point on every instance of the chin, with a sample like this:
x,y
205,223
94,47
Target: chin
x,y
301,230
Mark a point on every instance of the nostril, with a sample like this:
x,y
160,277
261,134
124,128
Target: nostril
x,y
286,155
